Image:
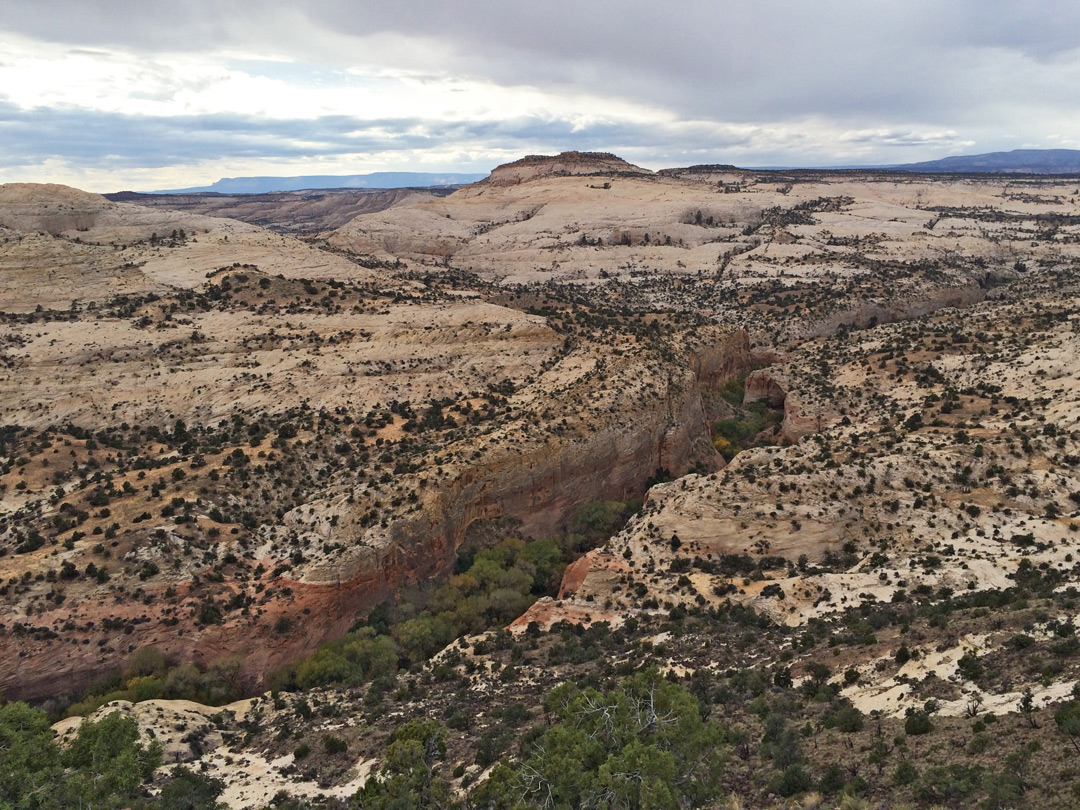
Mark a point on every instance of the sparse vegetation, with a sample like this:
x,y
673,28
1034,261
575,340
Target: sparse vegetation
x,y
871,604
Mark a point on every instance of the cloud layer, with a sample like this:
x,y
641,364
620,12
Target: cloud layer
x,y
110,93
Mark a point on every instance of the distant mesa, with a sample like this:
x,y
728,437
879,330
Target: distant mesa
x,y
701,168
509,174
1018,161
373,180
563,164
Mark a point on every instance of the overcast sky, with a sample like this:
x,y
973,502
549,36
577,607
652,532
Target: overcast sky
x,y
119,94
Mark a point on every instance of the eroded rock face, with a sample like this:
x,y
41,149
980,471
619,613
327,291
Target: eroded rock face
x,y
631,419
49,207
801,418
35,668
541,486
765,385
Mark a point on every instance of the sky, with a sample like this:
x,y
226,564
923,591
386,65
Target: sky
x,y
108,95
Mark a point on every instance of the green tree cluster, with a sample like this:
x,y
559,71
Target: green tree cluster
x,y
355,659
498,586
188,790
408,779
148,677
642,745
732,436
595,522
105,766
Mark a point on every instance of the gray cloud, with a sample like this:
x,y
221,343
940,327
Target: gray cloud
x,y
97,139
744,59
999,73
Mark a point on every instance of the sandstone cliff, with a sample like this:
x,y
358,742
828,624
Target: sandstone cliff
x,y
639,418
540,484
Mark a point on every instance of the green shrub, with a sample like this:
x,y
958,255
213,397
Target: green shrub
x,y
832,781
917,722
190,790
334,745
949,784
970,667
847,719
905,773
794,779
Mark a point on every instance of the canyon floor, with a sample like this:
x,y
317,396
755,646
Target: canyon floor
x,y
234,430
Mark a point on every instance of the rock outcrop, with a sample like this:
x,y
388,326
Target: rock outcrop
x,y
801,418
563,164
50,207
764,385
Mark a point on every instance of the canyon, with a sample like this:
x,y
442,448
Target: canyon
x,y
837,392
